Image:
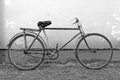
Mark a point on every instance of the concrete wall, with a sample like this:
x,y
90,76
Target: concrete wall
x,y
102,16
2,31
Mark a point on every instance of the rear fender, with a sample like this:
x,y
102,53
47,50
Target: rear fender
x,y
28,32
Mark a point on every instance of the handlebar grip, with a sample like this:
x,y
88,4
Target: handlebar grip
x,y
77,20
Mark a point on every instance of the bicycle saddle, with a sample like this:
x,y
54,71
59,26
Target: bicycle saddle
x,y
43,24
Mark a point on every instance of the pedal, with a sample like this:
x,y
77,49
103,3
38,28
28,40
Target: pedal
x,y
48,54
47,62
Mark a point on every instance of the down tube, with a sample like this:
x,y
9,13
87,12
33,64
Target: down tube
x,y
69,41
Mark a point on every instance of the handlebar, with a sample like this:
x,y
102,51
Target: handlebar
x,y
79,25
77,22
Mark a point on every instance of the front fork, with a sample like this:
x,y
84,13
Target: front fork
x,y
83,36
86,42
92,50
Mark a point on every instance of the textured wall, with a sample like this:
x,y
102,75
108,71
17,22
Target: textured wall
x,y
2,33
102,16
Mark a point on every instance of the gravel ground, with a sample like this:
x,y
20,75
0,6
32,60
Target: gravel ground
x,y
56,71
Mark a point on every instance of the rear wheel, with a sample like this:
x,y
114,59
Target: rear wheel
x,y
94,51
26,59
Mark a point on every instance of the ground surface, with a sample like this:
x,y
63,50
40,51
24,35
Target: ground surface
x,y
56,71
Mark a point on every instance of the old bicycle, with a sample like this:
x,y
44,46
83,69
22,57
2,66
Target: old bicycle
x,y
27,49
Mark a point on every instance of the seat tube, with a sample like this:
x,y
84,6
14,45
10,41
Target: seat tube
x,y
46,39
33,40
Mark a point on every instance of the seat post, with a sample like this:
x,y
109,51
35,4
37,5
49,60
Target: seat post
x,y
46,38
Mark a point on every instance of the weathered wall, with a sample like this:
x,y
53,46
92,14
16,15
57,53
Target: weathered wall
x,y
102,16
2,31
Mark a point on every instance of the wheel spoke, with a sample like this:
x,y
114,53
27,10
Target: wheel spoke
x,y
97,53
26,60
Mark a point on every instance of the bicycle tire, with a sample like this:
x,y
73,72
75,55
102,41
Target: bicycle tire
x,y
94,61
29,61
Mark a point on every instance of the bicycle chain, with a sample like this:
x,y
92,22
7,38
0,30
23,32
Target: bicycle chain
x,y
51,61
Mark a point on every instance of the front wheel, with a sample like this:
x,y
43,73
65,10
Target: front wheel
x,y
22,58
94,51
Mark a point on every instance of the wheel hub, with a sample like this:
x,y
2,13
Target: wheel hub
x,y
25,52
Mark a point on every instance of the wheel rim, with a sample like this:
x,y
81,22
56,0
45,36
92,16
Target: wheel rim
x,y
99,55
26,60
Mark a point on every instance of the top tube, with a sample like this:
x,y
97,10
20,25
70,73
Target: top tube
x,y
31,29
61,29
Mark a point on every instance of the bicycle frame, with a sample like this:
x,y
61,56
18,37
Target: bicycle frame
x,y
63,29
53,53
81,33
